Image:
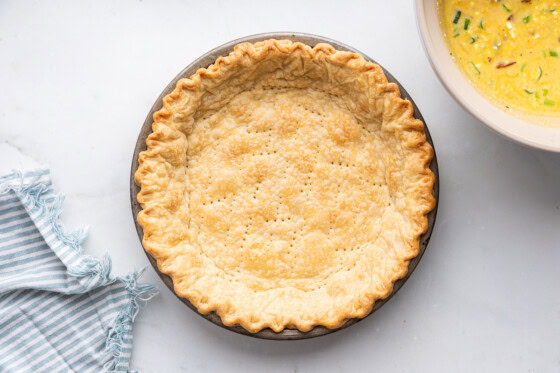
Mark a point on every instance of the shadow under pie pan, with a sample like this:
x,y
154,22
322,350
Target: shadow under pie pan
x,y
203,62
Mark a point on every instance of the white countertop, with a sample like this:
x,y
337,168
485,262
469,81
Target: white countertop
x,y
77,80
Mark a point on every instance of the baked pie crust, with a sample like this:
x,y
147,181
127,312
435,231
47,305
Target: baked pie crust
x,y
285,186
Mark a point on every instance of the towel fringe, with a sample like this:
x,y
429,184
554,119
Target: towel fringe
x,y
139,293
72,239
92,266
33,191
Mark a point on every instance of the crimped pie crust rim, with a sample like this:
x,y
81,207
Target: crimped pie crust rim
x,y
236,56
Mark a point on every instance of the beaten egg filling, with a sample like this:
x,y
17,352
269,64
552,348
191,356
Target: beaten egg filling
x,y
509,49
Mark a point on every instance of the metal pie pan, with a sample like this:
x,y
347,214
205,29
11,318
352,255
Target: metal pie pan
x,y
206,60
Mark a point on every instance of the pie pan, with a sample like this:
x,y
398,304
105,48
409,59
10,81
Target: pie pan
x,y
205,61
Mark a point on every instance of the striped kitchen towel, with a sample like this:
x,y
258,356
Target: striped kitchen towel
x,y
60,310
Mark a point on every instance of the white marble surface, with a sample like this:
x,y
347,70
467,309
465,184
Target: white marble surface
x,y
78,78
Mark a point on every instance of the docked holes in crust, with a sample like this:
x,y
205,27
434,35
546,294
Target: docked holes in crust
x,y
289,194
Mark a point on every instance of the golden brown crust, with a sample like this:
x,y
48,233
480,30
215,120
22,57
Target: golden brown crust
x,y
285,186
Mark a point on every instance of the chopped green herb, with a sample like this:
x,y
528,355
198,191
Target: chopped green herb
x,y
540,74
545,92
506,8
481,24
457,16
537,95
467,22
549,102
526,19
553,53
551,10
475,68
523,67
528,92
457,34
472,40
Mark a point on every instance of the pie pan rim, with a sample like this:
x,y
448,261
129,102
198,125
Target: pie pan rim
x,y
206,60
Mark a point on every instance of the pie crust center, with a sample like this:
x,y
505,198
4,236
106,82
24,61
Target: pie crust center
x,y
286,186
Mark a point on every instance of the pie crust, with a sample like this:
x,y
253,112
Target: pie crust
x,y
285,186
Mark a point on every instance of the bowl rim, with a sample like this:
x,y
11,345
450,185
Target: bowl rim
x,y
209,58
455,92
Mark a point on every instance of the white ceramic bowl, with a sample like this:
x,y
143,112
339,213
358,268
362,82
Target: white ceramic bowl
x,y
514,125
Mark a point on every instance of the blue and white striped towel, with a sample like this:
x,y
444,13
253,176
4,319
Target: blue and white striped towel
x,y
60,310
